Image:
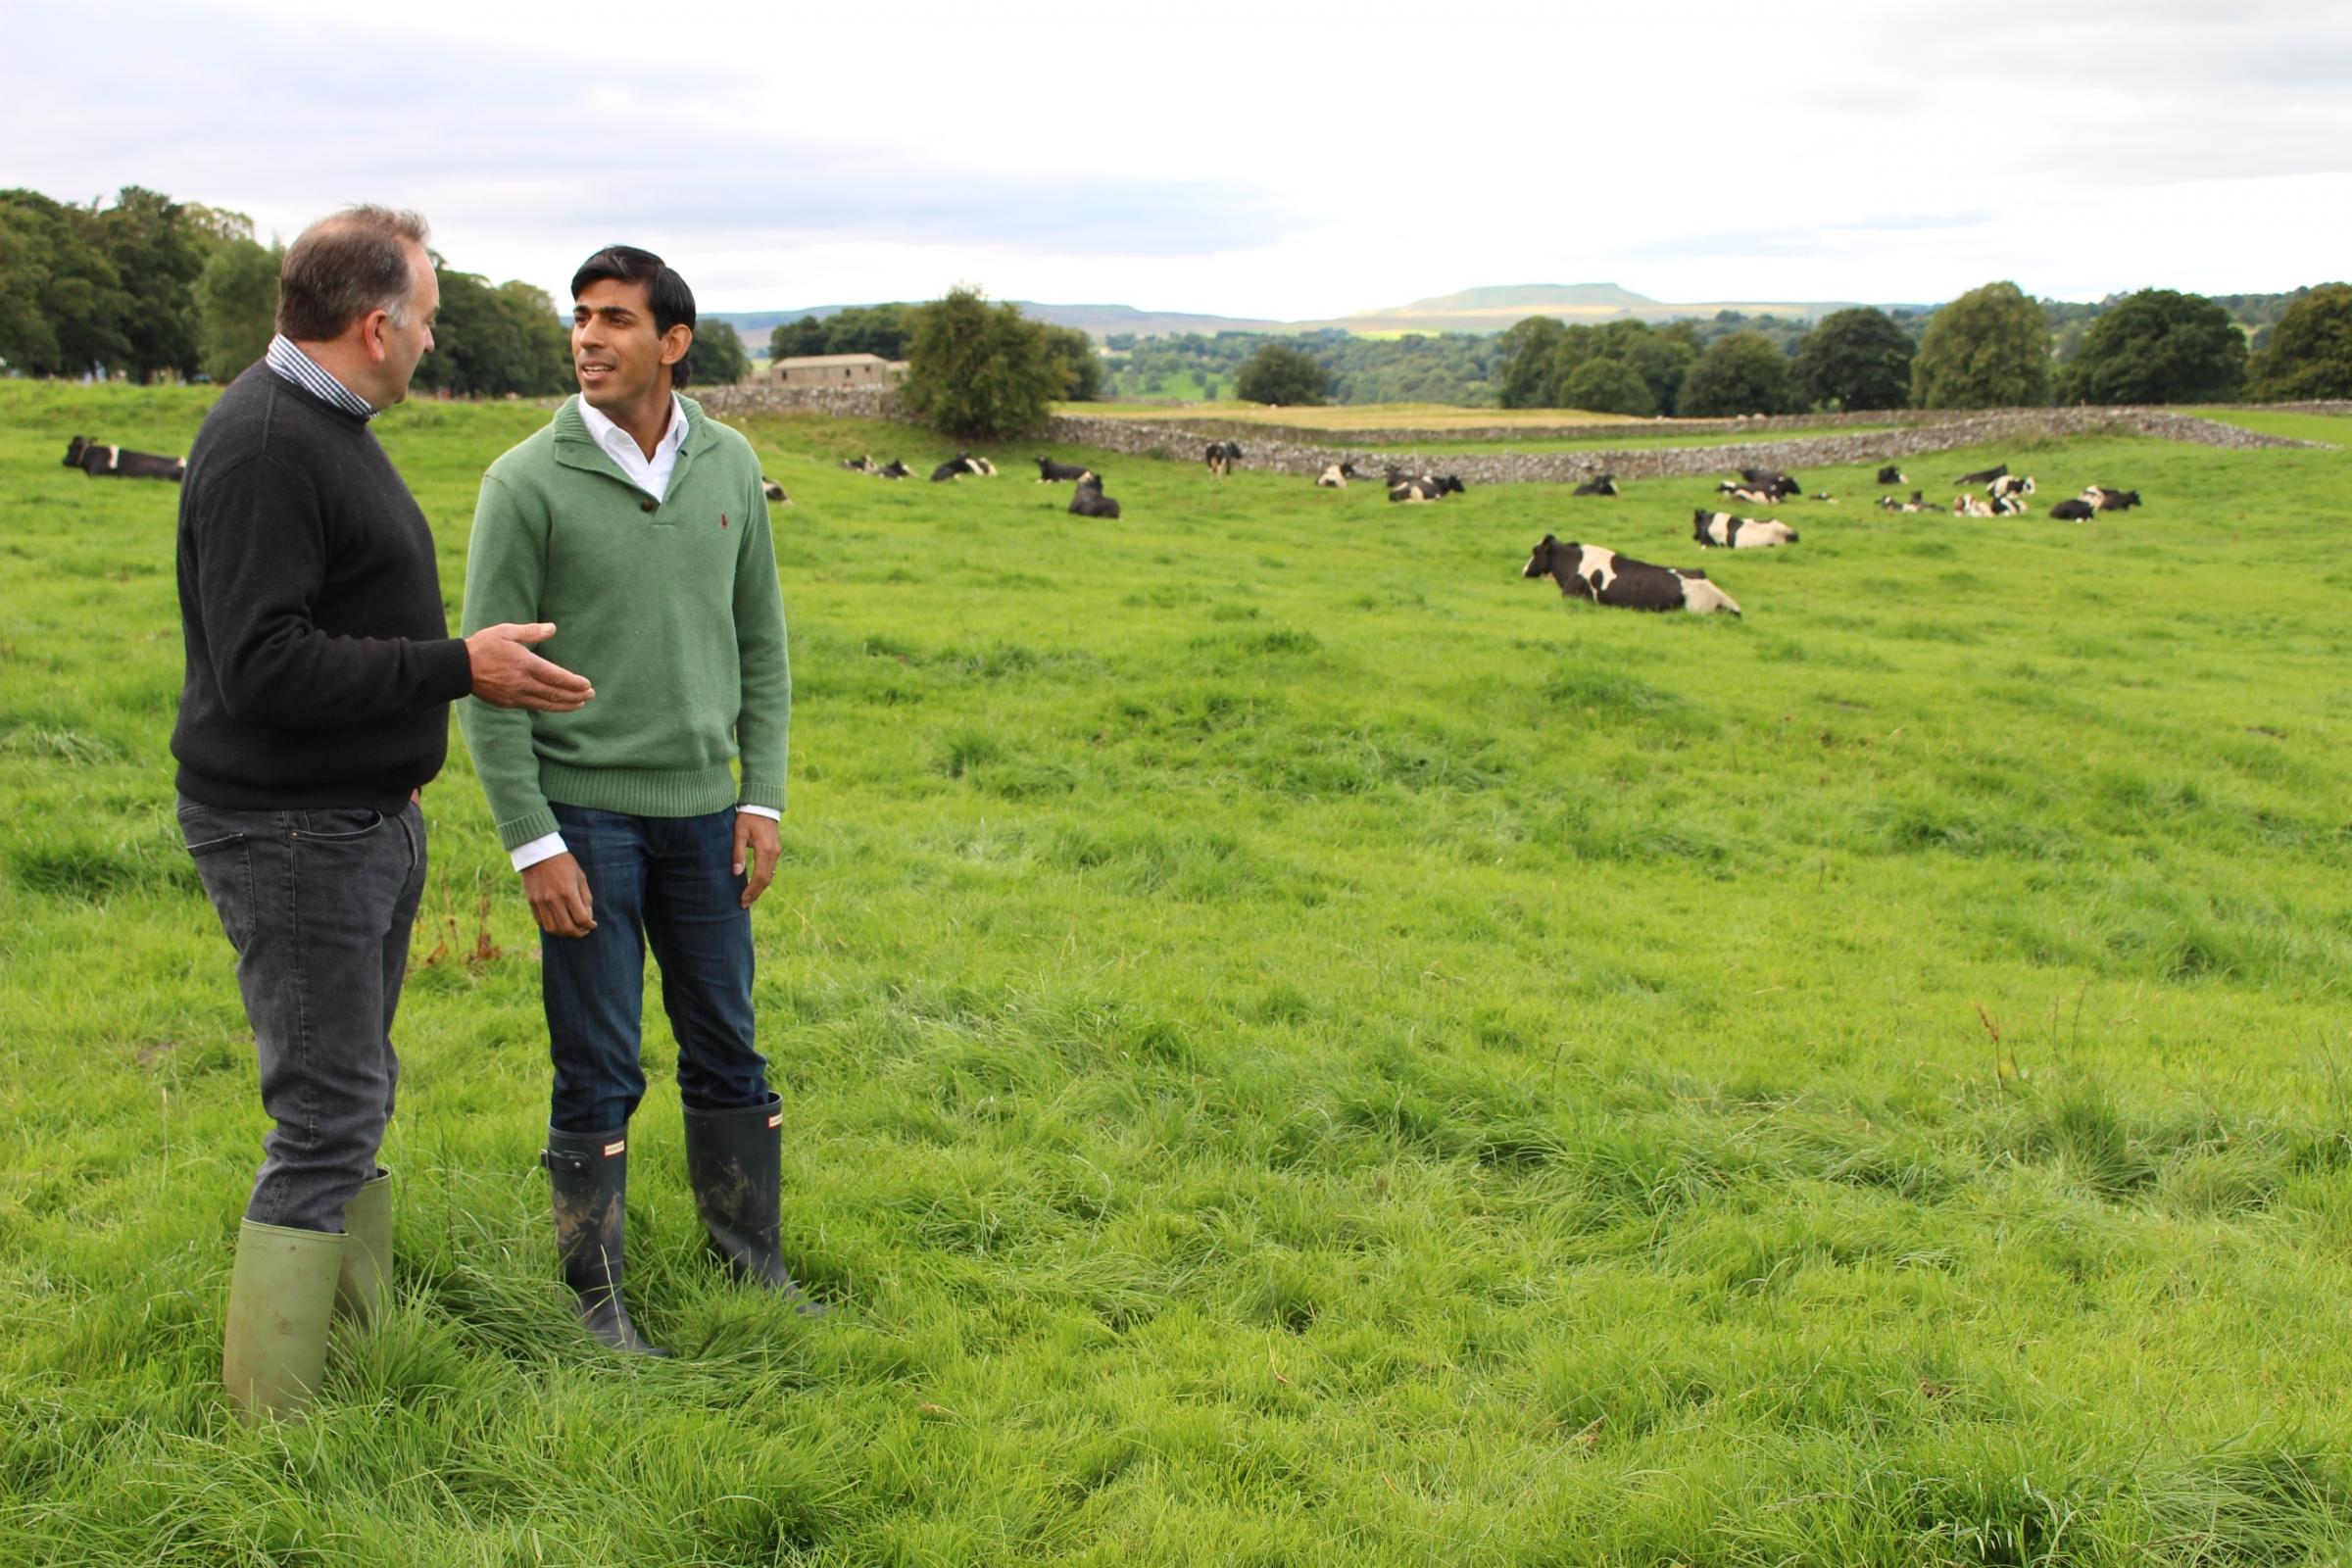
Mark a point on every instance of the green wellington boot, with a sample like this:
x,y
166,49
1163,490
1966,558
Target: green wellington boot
x,y
366,1253
282,1297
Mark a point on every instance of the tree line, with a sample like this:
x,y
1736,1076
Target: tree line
x,y
1993,347
1068,368
149,288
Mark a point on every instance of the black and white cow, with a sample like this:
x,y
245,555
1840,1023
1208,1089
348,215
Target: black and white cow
x,y
1971,507
2075,511
1221,456
962,463
1605,577
2010,484
1776,485
116,463
1720,530
893,470
1755,495
1049,471
2009,507
2107,498
1416,491
1600,484
1983,475
1091,502
1891,474
1335,477
859,465
773,491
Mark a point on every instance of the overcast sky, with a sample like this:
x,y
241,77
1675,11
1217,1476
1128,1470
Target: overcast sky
x,y
1267,159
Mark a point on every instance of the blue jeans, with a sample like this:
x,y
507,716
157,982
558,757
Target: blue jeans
x,y
318,904
668,881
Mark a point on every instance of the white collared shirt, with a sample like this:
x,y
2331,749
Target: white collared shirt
x,y
651,475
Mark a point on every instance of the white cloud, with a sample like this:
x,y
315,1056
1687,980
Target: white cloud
x,y
1262,159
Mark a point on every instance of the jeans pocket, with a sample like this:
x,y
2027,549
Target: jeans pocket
x,y
340,823
225,865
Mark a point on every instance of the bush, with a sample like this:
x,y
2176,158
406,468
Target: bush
x,y
1276,374
979,372
716,357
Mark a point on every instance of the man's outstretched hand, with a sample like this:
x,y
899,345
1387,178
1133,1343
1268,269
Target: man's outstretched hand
x,y
758,845
508,674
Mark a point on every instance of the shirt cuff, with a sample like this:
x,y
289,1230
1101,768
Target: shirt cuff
x,y
768,812
529,855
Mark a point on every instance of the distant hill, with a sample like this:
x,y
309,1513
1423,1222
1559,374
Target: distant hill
x,y
1491,309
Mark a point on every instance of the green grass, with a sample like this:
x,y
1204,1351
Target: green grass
x,y
1300,1048
2333,429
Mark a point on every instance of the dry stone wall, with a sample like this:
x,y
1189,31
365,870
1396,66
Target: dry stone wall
x,y
1777,443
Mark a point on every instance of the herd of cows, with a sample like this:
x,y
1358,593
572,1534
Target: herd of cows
x,y
1590,573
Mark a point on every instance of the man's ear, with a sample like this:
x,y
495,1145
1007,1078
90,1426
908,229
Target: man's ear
x,y
371,335
675,342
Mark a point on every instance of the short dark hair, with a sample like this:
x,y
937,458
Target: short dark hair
x,y
344,266
672,302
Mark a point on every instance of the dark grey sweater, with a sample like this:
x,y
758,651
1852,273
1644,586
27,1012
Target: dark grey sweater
x,y
320,667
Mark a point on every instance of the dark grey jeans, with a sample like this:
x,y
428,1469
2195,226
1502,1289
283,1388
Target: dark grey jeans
x,y
318,904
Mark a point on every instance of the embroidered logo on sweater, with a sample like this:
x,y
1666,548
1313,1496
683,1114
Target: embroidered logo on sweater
x,y
722,519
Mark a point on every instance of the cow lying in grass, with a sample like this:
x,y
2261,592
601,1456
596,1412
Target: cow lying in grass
x,y
1755,495
1720,530
113,463
1605,577
2010,484
1600,484
773,491
1891,474
962,463
1050,473
1335,477
893,469
1776,485
1091,502
2107,498
1983,475
2075,511
859,465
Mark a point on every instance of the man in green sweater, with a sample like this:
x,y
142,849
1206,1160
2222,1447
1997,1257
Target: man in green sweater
x,y
640,527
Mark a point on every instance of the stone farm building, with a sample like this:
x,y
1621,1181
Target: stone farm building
x,y
838,369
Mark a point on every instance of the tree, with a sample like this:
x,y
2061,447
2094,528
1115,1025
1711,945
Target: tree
x,y
1856,359
158,253
795,340
1744,374
74,326
1988,349
1284,376
886,331
716,357
545,338
1072,354
2309,351
2158,346
1527,367
1605,386
236,307
495,342
976,370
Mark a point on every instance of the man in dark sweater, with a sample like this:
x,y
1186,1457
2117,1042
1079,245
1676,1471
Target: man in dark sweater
x,y
316,707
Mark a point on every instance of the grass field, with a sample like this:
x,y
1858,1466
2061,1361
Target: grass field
x,y
1300,1048
1353,416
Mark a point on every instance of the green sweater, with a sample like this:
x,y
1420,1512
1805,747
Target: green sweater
x,y
670,609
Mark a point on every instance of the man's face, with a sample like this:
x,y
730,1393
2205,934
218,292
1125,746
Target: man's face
x,y
404,346
621,360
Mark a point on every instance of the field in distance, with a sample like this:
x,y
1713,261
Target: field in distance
x,y
1299,1046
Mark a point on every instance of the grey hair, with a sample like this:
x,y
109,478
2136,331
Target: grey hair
x,y
344,266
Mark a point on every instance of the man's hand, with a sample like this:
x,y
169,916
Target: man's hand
x,y
759,844
508,674
560,900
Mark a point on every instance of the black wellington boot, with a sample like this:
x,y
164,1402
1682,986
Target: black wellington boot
x,y
735,1160
589,1176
